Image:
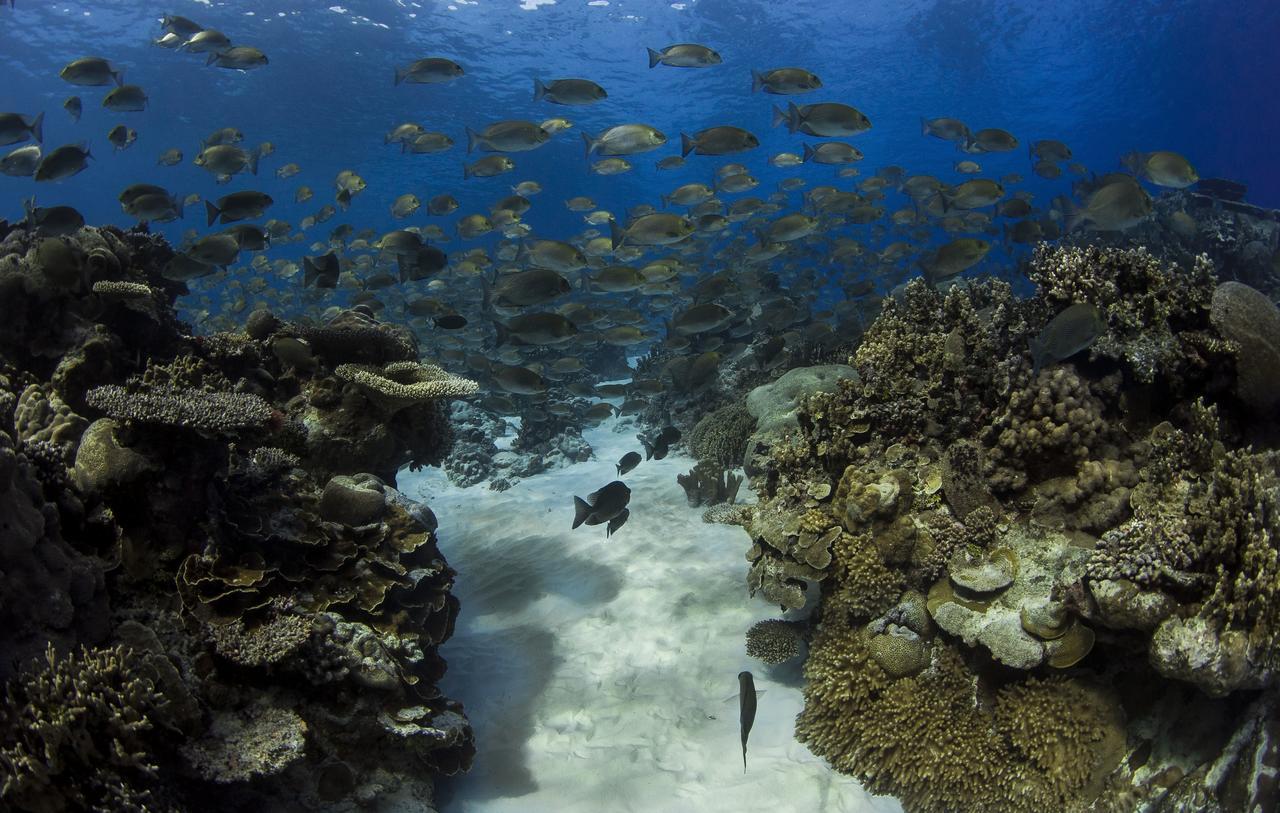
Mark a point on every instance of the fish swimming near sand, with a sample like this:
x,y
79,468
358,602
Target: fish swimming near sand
x,y
602,506
746,710
628,462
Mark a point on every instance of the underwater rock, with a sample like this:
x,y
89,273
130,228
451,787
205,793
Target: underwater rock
x,y
102,465
1252,321
775,405
248,744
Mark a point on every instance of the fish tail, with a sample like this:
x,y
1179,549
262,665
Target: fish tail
x,y
924,126
808,154
687,145
212,211
779,116
581,510
616,235
539,89
757,81
466,171
589,144
654,57
400,74
473,138
213,57
37,127
253,161
1075,217
118,76
648,449
793,117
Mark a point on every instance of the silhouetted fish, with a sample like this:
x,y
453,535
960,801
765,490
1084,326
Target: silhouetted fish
x,y
746,710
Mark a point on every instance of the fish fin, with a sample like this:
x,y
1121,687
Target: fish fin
x,y
253,161
37,127
757,81
589,145
654,57
807,155
687,145
924,126
539,89
581,510
779,116
793,117
473,138
617,522
618,466
400,75
616,235
466,171
213,56
648,449
212,212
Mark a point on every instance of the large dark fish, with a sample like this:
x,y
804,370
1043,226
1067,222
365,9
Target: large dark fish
x,y
1072,330
602,506
746,710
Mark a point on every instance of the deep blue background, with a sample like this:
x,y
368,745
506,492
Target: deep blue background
x,y
1106,76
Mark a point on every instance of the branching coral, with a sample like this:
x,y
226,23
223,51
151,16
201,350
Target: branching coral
x,y
774,641
77,734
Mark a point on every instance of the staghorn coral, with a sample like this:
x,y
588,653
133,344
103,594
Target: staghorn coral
x,y
217,412
707,483
78,733
402,384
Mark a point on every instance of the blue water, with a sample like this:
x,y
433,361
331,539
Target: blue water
x,y
1104,76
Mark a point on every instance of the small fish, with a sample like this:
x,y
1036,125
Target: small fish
x,y
321,271
611,166
442,205
240,57
121,137
182,26
170,158
1114,207
74,107
601,506
1072,330
746,710
507,136
723,140
684,55
829,119
628,462
670,162
63,162
450,321
238,206
429,71
831,152
226,135
657,448
427,143
22,162
1162,168
126,99
624,139
52,221
208,40
944,128
990,139
488,167
785,81
568,91
91,71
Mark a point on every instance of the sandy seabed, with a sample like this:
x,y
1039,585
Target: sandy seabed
x,y
601,675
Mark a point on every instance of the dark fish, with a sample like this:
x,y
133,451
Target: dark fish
x,y
1071,331
422,263
616,522
628,462
238,206
63,162
450,321
52,221
746,710
601,506
657,448
321,271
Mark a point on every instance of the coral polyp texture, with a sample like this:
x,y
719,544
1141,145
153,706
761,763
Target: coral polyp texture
x,y
251,473
1021,573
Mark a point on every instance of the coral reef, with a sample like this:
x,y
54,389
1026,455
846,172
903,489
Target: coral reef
x,y
992,543
721,436
298,664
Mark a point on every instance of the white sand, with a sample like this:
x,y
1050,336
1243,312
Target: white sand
x,y
601,675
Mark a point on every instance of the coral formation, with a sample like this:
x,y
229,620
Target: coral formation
x,y
774,641
991,543
721,436
301,660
